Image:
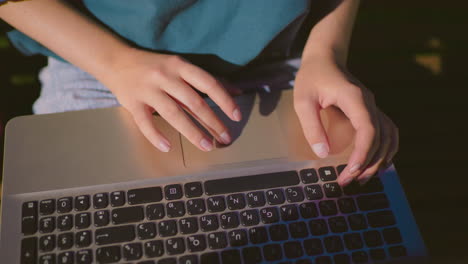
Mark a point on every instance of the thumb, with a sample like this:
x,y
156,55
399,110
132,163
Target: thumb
x,y
308,112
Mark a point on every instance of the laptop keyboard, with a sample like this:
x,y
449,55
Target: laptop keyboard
x,y
293,216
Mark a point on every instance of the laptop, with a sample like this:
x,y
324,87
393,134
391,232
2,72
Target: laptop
x,y
87,187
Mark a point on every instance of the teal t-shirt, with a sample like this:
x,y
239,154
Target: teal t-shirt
x,y
235,31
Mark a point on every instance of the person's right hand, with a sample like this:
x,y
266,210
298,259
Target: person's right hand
x,y
145,82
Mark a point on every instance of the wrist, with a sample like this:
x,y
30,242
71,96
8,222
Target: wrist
x,y
325,53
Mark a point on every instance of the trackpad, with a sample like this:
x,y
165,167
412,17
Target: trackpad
x,y
256,137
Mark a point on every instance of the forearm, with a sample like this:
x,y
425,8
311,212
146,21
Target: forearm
x,y
331,36
67,32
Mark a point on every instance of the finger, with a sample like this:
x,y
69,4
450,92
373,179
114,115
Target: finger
x,y
204,82
366,138
177,118
199,109
395,141
308,111
379,158
144,119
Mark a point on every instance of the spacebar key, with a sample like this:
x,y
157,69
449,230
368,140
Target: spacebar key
x,y
252,182
116,234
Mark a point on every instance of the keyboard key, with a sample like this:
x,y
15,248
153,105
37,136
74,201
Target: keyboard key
x,y
193,189
146,231
377,254
83,239
229,220
47,224
231,256
167,261
101,218
380,219
337,224
392,235
117,198
65,241
108,254
372,202
269,215
217,240
272,252
258,235
289,212
65,222
235,201
397,251
333,244
47,243
196,206
132,251
29,218
251,255
47,259
175,209
328,207
188,225
341,259
175,246
304,261
66,257
64,205
318,227
210,258
173,192
29,250
275,196
308,210
216,204
127,215
238,238
373,185
155,211
340,168
251,182
309,176
360,257
100,200
196,243
298,230
117,234
188,259
278,232
294,194
84,256
347,205
313,192
373,238
313,247
167,228
249,217
323,260
82,220
293,249
209,223
327,174
357,222
255,199
352,188
82,203
154,248
145,195
47,207
353,241
332,189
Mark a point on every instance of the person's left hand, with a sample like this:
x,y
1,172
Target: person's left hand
x,y
320,83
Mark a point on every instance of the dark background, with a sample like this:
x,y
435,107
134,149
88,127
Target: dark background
x,y
413,55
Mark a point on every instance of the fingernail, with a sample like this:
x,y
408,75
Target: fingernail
x,y
347,181
237,115
354,168
364,180
164,146
225,137
206,145
320,149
